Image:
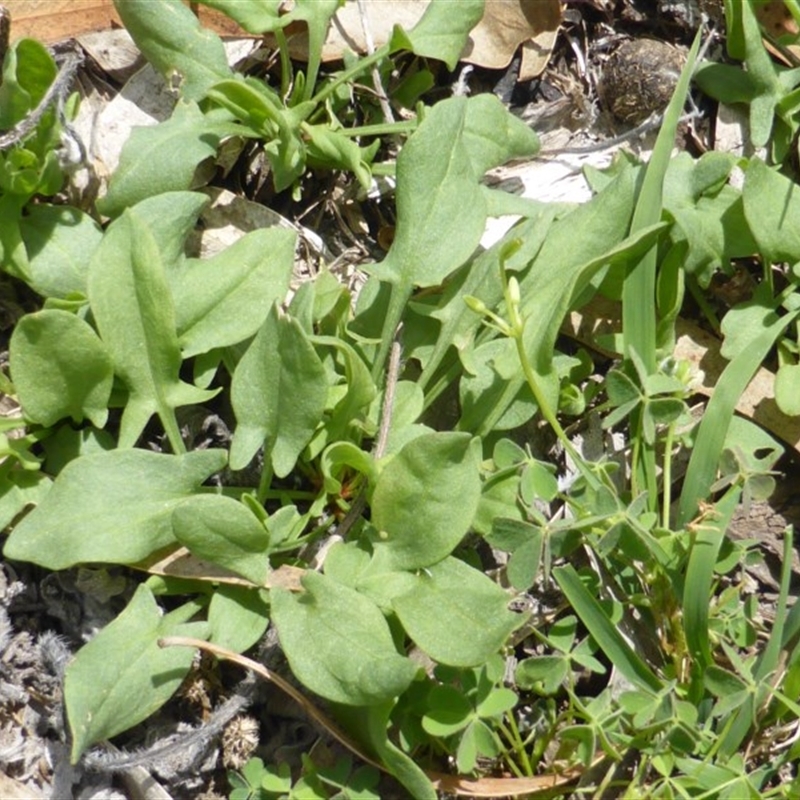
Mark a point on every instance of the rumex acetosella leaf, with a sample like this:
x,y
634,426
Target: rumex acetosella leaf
x,y
442,30
225,532
441,212
60,368
122,676
413,504
255,16
170,217
162,158
338,643
173,41
113,507
60,241
135,316
456,614
771,208
237,616
493,135
278,392
224,299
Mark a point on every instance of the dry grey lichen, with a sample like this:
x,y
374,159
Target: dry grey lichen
x,y
639,78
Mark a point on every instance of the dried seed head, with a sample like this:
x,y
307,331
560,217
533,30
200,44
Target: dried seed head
x,y
239,740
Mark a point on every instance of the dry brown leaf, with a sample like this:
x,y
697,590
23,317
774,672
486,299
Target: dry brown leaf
x,y
506,24
776,19
502,787
180,563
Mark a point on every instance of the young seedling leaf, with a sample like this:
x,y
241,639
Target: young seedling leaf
x,y
339,644
173,41
221,530
28,72
60,368
133,309
224,299
278,393
113,507
317,14
122,676
361,390
456,614
412,505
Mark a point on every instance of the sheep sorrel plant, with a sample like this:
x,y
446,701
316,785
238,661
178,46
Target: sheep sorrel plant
x,y
402,494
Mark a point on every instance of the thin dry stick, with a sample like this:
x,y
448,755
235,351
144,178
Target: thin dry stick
x,y
392,376
57,91
308,707
388,116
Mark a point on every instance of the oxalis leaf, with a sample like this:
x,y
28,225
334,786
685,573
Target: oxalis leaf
x,y
60,368
412,505
456,614
113,507
172,40
122,676
133,309
278,393
339,644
